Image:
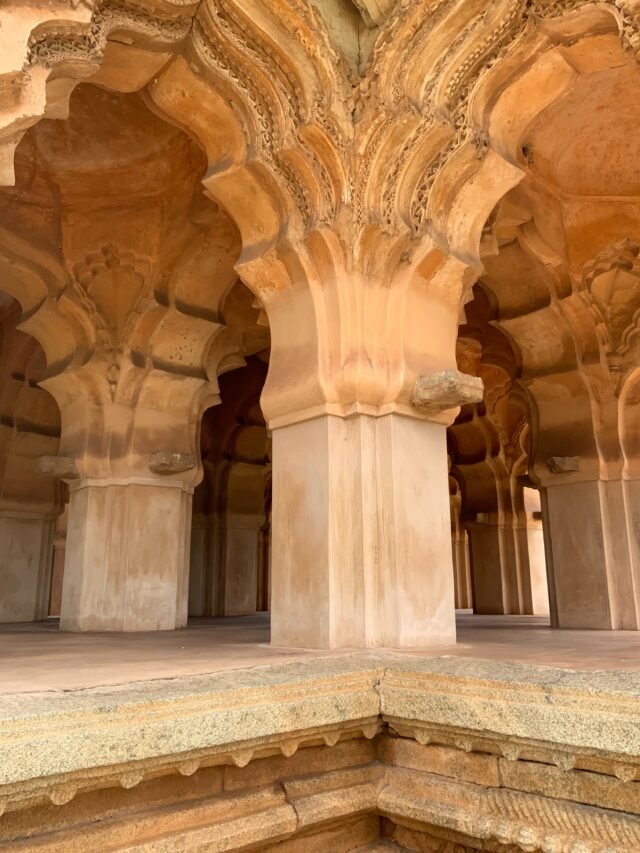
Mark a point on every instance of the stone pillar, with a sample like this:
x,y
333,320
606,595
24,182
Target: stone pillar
x,y
360,390
631,495
500,569
57,567
536,553
26,553
361,533
594,582
129,518
243,502
462,569
199,566
263,600
127,557
240,536
486,574
459,548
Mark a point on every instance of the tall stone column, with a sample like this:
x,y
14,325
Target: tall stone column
x,y
499,546
462,569
536,553
360,391
26,553
29,502
200,564
593,580
129,518
459,548
126,302
240,534
486,567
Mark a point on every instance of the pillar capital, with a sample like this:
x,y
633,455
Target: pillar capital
x,y
355,322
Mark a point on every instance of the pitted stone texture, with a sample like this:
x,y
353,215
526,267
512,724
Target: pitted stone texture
x,y
563,464
57,748
63,467
446,389
166,462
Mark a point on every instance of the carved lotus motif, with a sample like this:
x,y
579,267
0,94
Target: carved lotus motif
x,y
613,285
113,283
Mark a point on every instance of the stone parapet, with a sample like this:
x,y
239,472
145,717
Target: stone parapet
x,y
341,751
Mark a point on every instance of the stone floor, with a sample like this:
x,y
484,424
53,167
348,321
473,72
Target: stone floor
x,y
37,657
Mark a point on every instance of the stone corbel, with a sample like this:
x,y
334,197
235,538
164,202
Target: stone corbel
x,y
165,462
62,467
446,389
563,464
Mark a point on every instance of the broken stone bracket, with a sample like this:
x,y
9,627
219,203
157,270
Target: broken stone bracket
x,y
165,462
563,464
63,467
446,389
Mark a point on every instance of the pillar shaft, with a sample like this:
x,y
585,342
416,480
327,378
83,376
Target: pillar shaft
x,y
361,533
240,566
591,566
199,567
461,569
126,561
26,553
488,589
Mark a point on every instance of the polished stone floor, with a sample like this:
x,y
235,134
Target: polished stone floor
x,y
37,657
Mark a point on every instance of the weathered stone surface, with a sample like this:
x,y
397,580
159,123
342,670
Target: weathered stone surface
x,y
518,701
465,766
166,462
63,467
196,758
563,464
594,789
345,754
446,389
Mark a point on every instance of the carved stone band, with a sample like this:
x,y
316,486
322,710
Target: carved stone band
x,y
446,389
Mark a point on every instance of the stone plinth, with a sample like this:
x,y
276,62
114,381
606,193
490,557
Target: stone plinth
x,y
330,754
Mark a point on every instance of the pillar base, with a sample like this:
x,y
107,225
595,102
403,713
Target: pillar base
x,y
26,554
127,557
361,534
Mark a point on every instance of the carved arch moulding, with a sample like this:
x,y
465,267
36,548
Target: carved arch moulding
x,y
438,150
396,164
258,85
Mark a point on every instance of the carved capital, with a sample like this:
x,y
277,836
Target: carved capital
x,y
446,389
